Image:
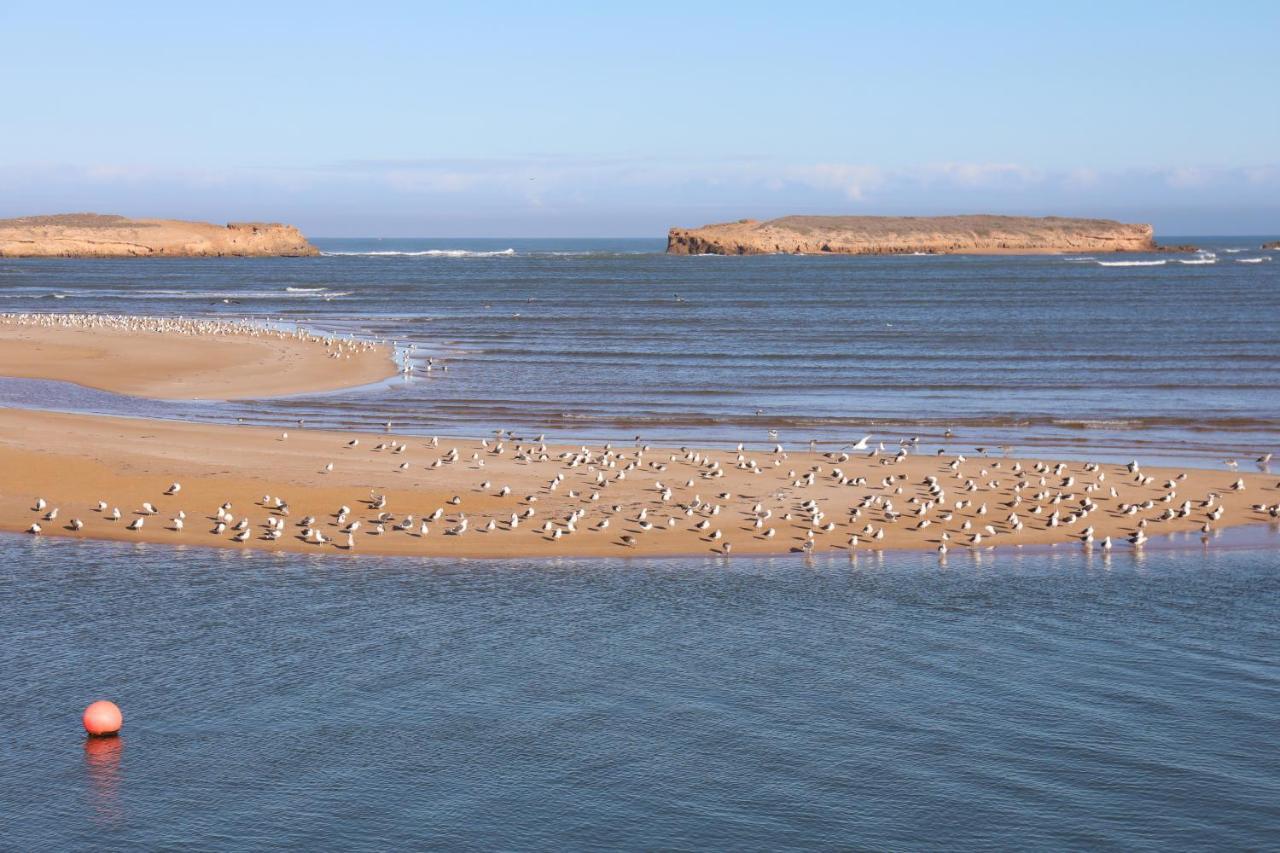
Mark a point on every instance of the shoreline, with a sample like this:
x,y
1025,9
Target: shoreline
x,y
509,497
182,359
74,461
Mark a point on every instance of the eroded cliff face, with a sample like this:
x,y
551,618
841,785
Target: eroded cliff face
x,y
91,235
888,235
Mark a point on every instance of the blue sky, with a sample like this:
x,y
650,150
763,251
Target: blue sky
x,y
407,119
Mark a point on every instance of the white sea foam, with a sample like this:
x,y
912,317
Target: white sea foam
x,y
1197,261
1260,260
229,295
305,289
426,253
1131,263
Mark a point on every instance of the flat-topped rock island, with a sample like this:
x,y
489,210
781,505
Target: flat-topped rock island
x,y
94,235
898,235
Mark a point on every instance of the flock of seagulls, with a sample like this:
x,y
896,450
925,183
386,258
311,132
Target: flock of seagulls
x,y
337,347
865,496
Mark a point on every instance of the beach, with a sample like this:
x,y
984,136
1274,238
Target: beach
x,y
515,495
173,359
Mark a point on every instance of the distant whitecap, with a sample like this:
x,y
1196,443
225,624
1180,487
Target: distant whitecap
x,y
1131,263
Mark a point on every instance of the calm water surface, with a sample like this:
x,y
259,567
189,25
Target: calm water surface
x,y
1035,700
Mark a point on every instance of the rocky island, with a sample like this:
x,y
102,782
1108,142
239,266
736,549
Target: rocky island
x,y
1272,245
93,235
896,235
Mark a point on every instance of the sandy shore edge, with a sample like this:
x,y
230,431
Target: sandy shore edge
x,y
655,501
182,359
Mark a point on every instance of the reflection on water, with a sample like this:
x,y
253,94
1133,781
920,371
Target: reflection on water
x,y
102,768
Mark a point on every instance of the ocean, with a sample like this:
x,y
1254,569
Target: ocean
x,y
1168,356
1039,698
1046,700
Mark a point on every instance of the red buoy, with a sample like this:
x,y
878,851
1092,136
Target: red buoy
x,y
103,718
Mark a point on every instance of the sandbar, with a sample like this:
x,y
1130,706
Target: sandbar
x,y
172,359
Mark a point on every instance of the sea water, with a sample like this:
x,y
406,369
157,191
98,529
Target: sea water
x,y
996,701
1014,699
608,339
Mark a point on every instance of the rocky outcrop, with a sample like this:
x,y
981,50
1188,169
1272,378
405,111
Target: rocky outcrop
x,y
893,235
92,235
1272,245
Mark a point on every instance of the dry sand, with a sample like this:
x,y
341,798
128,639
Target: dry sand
x,y
166,365
74,461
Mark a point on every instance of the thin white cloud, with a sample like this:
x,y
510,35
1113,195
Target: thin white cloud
x,y
587,193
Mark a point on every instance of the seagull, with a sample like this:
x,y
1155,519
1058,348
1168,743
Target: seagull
x,y
173,489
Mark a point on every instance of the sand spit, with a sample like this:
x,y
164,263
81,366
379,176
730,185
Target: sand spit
x,y
181,359
331,492
306,490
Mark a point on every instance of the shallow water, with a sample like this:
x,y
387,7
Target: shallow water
x,y
1042,699
595,340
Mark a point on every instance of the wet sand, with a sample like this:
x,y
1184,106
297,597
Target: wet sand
x,y
74,461
173,360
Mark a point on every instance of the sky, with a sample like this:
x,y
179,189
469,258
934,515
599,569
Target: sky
x,y
577,119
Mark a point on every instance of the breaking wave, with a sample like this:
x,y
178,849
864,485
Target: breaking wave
x,y
1131,263
426,253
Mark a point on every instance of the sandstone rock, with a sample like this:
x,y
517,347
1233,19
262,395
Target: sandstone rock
x,y
887,235
92,235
